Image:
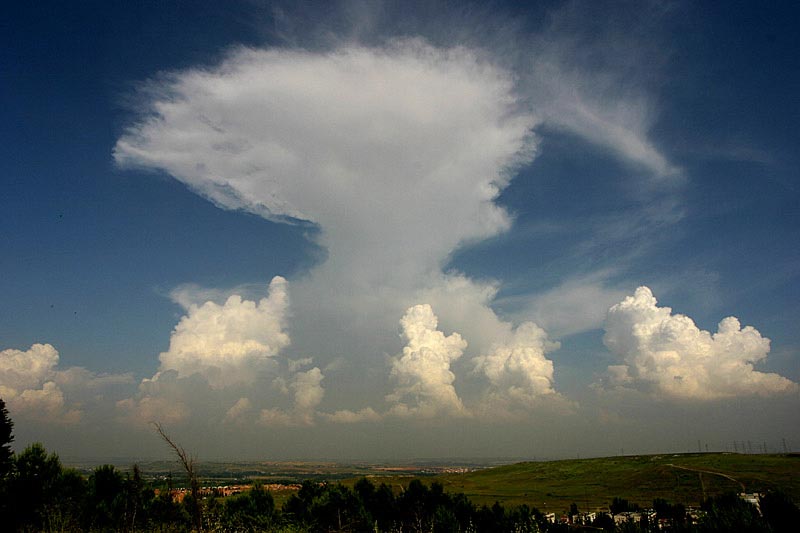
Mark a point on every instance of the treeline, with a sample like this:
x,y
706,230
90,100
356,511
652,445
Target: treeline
x,y
37,493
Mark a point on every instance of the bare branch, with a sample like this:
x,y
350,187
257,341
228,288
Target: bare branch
x,y
188,464
186,460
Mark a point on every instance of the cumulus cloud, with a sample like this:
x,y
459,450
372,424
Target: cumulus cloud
x,y
46,404
517,369
165,398
32,385
21,370
229,355
669,355
424,379
78,378
346,416
307,389
229,343
307,392
239,410
276,417
148,409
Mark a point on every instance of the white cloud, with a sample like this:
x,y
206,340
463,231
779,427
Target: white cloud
x,y
616,124
346,416
517,369
424,379
276,417
77,378
575,306
33,386
165,398
190,294
45,404
430,136
229,355
148,409
21,370
464,304
229,343
669,355
307,392
593,80
239,410
576,74
397,153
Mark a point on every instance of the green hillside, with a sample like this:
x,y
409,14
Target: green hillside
x,y
593,483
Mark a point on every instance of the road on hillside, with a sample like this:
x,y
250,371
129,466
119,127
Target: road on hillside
x,y
699,471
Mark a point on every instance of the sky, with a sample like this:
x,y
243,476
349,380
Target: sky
x,y
393,231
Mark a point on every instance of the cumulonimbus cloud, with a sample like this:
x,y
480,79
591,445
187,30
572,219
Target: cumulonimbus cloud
x,y
668,355
397,153
369,143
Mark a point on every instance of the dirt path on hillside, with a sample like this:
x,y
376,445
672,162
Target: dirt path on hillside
x,y
726,476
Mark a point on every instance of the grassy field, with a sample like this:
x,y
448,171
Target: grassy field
x,y
549,486
593,483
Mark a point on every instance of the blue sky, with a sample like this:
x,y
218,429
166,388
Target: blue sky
x,y
432,222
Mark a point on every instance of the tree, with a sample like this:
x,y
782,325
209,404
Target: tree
x,y
604,521
728,512
779,511
67,510
35,487
252,511
136,494
379,503
6,438
188,463
339,509
6,461
106,497
676,514
621,505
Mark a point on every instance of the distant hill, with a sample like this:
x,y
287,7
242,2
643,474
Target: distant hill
x,y
592,483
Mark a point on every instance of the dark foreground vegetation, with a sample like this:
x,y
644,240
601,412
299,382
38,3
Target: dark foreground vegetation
x,y
37,493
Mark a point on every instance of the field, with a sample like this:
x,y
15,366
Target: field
x,y
593,483
548,485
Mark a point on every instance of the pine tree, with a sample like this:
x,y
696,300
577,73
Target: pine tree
x,y
6,438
